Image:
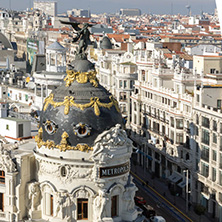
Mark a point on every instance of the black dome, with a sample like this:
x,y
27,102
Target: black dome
x,y
81,109
106,43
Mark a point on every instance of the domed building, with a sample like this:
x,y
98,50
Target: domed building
x,y
79,168
105,43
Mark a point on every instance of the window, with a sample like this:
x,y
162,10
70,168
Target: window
x,y
179,138
214,174
114,206
143,75
204,169
205,153
214,125
205,137
205,122
1,201
122,96
7,126
168,102
220,161
82,209
198,98
212,71
120,84
214,155
219,103
196,131
26,98
125,83
197,119
157,156
220,143
51,204
179,124
214,138
131,84
220,177
2,176
63,171
172,121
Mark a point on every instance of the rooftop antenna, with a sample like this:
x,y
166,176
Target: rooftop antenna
x,y
188,10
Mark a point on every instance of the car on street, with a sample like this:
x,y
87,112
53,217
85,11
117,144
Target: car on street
x,y
157,219
139,200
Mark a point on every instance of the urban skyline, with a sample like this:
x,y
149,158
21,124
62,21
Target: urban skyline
x,y
113,6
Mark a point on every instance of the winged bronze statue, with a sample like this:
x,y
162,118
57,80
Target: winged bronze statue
x,y
82,34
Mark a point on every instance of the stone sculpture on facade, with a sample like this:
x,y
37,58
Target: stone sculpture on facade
x,y
34,196
107,140
6,160
63,205
100,205
129,195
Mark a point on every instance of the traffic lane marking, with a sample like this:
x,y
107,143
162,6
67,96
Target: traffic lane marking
x,y
161,196
161,203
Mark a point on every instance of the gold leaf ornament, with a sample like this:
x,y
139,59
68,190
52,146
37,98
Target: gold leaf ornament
x,y
81,77
63,146
69,102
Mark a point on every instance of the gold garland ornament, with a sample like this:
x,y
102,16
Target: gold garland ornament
x,y
63,146
69,102
81,77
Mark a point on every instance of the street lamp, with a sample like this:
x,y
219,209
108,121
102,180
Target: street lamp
x,y
187,188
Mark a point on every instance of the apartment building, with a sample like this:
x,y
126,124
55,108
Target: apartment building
x,y
207,119
117,72
177,126
161,121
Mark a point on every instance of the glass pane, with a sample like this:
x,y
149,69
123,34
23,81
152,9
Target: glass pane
x,y
85,210
79,209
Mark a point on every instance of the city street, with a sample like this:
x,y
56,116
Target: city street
x,y
161,207
157,195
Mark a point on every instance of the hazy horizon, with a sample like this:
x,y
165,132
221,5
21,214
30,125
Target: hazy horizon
x,y
113,6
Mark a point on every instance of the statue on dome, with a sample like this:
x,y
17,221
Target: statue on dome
x,y
83,35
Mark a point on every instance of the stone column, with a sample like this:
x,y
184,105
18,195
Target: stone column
x,y
46,91
9,199
56,62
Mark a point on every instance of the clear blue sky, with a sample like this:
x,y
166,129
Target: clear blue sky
x,y
100,6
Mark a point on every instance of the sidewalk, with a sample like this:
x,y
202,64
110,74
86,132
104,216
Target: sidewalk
x,y
161,187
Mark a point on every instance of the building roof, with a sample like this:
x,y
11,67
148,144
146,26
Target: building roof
x,y
7,44
56,46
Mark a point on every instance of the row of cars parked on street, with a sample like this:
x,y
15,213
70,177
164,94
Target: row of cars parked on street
x,y
148,211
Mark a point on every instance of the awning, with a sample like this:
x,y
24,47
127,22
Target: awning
x,y
174,177
182,184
